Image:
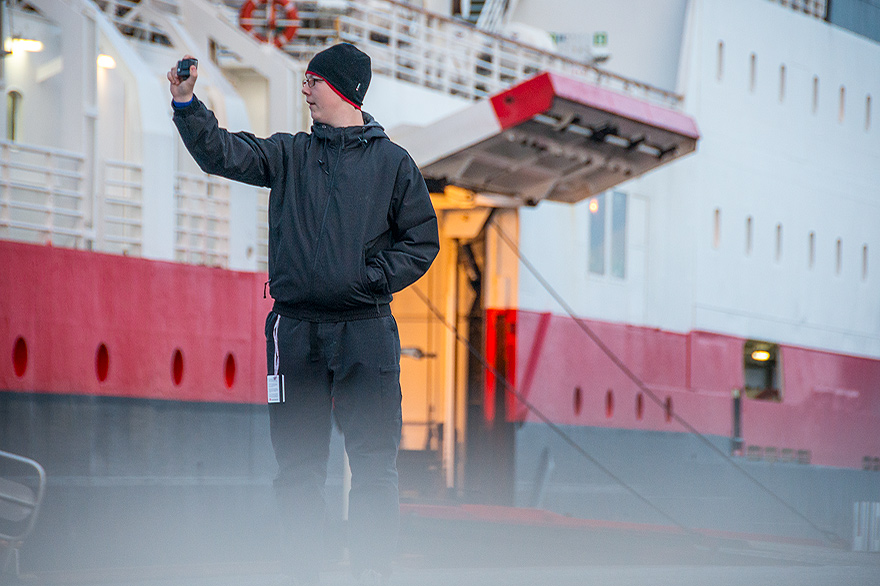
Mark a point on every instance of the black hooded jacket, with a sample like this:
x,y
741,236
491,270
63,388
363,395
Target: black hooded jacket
x,y
350,218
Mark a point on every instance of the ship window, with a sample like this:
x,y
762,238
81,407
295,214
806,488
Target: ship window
x,y
778,242
815,93
865,262
720,65
838,256
618,234
753,64
781,83
812,250
761,371
597,234
841,108
749,235
716,232
611,228
13,115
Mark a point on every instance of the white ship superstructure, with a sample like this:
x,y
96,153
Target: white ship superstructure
x,y
769,230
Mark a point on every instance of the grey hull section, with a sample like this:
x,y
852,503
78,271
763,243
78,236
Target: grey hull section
x,y
676,479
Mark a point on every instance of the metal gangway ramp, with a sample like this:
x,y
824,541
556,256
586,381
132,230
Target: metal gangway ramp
x,y
549,137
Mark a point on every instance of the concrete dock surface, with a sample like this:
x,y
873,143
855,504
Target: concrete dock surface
x,y
482,546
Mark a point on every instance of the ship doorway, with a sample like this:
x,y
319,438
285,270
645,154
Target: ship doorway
x,y
440,319
762,371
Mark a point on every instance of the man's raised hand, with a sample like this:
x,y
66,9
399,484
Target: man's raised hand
x,y
182,89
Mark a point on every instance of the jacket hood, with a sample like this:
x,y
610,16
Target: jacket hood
x,y
350,135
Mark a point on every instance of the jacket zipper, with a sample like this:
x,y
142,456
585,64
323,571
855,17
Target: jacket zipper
x,y
326,208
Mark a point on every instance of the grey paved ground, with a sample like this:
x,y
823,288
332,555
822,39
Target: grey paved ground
x,y
556,576
754,565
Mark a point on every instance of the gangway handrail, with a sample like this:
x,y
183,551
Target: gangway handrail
x,y
119,217
202,230
41,150
57,175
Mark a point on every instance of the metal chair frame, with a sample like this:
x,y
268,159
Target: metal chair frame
x,y
22,504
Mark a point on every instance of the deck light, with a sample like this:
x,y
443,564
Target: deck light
x,y
106,61
760,356
18,45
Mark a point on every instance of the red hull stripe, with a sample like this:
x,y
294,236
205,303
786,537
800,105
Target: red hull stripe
x,y
830,403
168,330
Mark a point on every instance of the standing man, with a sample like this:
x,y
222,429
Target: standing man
x,y
350,223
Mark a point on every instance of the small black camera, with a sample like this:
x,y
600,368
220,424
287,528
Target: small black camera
x,y
183,67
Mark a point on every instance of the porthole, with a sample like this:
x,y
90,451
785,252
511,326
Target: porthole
x,y
20,357
102,363
229,370
177,367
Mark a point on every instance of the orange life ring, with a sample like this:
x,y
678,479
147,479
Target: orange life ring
x,y
287,8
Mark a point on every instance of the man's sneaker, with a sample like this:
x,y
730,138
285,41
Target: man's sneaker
x,y
371,578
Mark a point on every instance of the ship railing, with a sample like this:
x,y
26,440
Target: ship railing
x,y
415,45
120,230
41,195
202,232
817,8
435,51
450,55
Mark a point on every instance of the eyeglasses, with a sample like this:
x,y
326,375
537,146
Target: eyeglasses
x,y
311,81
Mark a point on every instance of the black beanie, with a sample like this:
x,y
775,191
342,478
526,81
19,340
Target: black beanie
x,y
346,69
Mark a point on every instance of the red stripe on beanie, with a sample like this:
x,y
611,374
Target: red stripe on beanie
x,y
338,93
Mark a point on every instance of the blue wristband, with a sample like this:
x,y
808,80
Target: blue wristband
x,y
182,104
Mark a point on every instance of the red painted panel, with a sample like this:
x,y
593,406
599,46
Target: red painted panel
x,y
503,322
523,101
537,338
715,363
65,304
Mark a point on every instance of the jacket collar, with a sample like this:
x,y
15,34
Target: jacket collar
x,y
350,135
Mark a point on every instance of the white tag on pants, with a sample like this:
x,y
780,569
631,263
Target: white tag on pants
x,y
275,385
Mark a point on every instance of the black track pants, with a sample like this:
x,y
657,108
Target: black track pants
x,y
352,371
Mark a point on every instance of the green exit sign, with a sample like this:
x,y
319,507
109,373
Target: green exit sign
x,y
600,39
